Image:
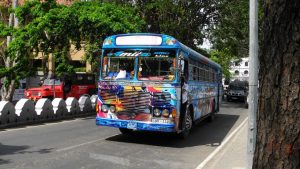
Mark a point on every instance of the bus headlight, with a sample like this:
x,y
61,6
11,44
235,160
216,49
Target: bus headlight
x,y
156,112
165,113
39,94
112,109
104,108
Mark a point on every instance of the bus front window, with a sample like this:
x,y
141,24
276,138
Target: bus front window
x,y
118,68
157,68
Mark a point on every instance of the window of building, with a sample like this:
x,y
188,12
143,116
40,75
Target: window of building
x,y
246,63
246,72
236,72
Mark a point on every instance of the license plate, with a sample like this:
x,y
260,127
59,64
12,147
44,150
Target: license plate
x,y
165,121
132,125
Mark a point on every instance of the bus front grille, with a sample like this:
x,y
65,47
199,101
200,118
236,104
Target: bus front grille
x,y
161,98
135,101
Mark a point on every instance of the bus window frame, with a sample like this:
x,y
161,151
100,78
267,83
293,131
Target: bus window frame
x,y
136,66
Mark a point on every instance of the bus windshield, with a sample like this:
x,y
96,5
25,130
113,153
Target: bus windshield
x,y
156,68
150,65
118,68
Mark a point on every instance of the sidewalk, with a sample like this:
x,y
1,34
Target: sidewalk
x,y
234,154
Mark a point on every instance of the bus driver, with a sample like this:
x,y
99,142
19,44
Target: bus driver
x,y
122,73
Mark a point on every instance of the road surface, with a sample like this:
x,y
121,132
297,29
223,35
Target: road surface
x,y
80,144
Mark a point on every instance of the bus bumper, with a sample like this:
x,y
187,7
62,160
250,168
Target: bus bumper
x,y
135,125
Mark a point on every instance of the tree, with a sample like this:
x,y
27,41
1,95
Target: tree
x,y
187,21
97,20
13,56
224,59
278,121
231,28
50,29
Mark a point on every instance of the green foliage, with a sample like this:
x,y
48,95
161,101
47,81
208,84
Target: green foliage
x,y
51,29
62,65
230,37
187,21
232,27
97,20
80,69
222,57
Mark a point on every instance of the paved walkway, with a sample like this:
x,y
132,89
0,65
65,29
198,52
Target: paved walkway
x,y
234,154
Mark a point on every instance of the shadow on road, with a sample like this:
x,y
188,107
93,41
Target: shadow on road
x,y
4,161
211,134
233,104
8,149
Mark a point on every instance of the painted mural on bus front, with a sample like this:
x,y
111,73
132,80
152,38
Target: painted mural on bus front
x,y
134,102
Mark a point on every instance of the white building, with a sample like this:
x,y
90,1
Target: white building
x,y
239,69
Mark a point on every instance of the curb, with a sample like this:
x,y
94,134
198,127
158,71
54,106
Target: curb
x,y
226,140
25,123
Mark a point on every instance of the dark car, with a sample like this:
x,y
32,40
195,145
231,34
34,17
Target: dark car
x,y
237,91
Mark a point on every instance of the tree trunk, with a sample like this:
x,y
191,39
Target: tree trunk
x,y
7,91
278,119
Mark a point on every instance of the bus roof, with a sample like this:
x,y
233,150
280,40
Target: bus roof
x,y
151,40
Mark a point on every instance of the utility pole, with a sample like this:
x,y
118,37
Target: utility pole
x,y
253,81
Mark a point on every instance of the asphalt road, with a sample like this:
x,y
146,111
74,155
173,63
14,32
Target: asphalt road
x,y
80,144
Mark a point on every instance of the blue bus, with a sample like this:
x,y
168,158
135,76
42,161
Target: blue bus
x,y
153,82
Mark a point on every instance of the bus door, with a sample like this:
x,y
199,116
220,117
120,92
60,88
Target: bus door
x,y
183,73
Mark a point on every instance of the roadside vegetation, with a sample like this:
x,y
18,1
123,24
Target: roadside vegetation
x,y
49,29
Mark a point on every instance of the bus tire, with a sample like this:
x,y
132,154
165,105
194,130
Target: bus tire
x,y
125,131
188,124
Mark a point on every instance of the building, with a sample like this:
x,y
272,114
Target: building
x,y
239,69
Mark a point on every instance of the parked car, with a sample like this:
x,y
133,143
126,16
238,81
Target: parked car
x,y
237,90
69,86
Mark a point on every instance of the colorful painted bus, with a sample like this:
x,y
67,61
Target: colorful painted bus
x,y
153,82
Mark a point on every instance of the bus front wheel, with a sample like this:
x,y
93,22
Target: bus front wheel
x,y
188,124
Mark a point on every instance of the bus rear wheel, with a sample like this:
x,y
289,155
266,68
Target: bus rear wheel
x,y
188,124
126,131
